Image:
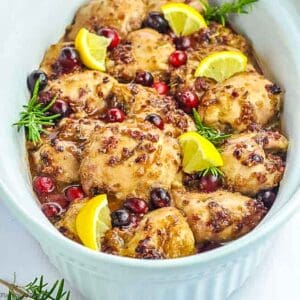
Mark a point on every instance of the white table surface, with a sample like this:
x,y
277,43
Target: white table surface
x,y
277,279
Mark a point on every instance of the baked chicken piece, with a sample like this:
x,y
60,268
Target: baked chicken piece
x,y
57,159
84,91
144,49
155,5
128,160
77,130
140,103
250,162
162,233
241,101
217,35
123,15
220,216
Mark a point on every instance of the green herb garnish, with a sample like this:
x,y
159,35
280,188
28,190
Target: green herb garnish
x,y
215,171
33,118
37,290
212,134
220,13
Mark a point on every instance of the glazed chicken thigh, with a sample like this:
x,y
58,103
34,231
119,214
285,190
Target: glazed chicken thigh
x,y
128,160
220,216
251,163
123,15
163,233
144,49
240,101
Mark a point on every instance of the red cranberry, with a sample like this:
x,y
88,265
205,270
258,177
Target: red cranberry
x,y
182,43
156,120
60,107
111,34
161,87
178,58
51,210
160,198
144,78
68,60
187,100
136,205
268,198
156,21
58,199
33,77
120,217
115,115
43,185
74,192
209,183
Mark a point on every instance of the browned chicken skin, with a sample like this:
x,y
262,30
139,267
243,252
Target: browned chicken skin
x,y
220,216
163,233
144,49
239,102
129,160
123,15
251,163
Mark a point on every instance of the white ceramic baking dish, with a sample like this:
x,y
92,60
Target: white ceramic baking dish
x,y
27,28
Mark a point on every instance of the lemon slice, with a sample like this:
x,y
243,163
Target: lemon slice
x,y
92,49
92,221
222,65
183,19
198,153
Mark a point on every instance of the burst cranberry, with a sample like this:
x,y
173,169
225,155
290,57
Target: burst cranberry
x,y
115,115
156,21
136,205
182,43
187,100
160,198
74,192
209,183
61,107
68,60
33,77
43,185
51,210
120,218
111,34
161,87
156,120
267,197
59,199
178,58
144,78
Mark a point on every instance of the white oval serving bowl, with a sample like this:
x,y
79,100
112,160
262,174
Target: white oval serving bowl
x,y
27,28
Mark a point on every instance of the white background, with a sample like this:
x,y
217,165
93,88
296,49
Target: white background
x,y
277,279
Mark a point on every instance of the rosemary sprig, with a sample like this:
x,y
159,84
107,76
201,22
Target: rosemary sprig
x,y
37,290
212,134
213,171
34,117
221,13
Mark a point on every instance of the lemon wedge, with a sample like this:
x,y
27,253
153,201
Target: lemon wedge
x,y
198,153
92,49
183,19
92,221
222,65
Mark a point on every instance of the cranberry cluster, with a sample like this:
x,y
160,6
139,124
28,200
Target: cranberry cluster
x,y
55,203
